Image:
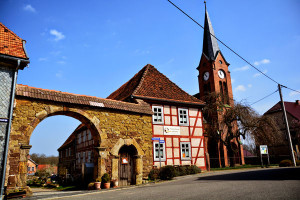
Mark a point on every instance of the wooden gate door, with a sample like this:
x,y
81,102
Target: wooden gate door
x,y
127,166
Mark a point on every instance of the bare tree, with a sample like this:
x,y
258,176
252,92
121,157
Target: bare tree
x,y
226,124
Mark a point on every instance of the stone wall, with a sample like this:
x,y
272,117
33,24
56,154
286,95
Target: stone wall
x,y
108,125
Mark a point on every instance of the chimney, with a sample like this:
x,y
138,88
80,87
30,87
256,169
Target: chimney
x,y
298,102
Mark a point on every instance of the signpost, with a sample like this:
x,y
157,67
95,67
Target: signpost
x,y
159,142
264,151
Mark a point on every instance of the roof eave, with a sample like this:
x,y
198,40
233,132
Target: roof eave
x,y
169,101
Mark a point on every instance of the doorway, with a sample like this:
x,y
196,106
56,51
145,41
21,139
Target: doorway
x,y
127,172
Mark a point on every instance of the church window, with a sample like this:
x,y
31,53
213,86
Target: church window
x,y
185,150
84,136
79,138
183,116
89,134
78,158
159,151
157,115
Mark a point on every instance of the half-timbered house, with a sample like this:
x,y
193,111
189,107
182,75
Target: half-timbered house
x,y
177,121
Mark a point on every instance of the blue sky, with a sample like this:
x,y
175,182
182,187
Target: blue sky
x,y
93,47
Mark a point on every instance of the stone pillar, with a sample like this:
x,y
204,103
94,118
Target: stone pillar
x,y
101,161
24,152
115,168
139,169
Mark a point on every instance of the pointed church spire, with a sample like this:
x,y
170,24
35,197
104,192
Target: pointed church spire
x,y
210,44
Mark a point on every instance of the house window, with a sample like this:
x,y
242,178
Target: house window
x,y
157,115
89,134
185,150
78,157
89,156
79,138
28,169
183,116
66,152
84,136
32,168
158,147
83,157
69,151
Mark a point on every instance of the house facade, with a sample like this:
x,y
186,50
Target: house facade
x,y
177,121
77,155
281,147
31,166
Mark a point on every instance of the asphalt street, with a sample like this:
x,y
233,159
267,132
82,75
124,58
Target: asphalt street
x,y
270,183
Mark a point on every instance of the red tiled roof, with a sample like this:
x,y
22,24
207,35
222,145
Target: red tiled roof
x,y
10,43
71,137
64,97
149,83
290,107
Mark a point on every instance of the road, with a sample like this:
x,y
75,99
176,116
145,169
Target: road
x,y
271,183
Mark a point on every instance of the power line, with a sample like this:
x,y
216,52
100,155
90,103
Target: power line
x,y
290,89
264,97
224,43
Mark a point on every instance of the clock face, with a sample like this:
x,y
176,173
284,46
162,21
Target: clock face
x,y
206,76
221,74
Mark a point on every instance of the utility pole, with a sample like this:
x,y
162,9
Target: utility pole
x,y
287,126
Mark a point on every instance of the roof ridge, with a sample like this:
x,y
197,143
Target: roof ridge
x,y
11,31
143,78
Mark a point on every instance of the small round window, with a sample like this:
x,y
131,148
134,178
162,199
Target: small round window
x,y
220,61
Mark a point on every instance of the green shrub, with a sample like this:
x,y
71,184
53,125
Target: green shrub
x,y
105,178
285,163
193,169
298,162
167,172
154,174
182,170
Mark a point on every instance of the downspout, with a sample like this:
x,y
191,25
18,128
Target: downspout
x,y
11,107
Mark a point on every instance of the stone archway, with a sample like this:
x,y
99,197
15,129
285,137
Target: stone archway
x,y
23,127
138,159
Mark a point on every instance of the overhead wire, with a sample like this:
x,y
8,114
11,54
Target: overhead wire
x,y
264,97
230,48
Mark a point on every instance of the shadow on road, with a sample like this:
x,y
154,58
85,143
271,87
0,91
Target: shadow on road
x,y
267,174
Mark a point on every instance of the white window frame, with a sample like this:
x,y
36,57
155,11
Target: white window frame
x,y
162,114
187,116
163,148
183,151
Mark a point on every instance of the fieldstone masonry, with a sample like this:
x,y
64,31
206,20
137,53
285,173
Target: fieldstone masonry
x,y
113,128
6,76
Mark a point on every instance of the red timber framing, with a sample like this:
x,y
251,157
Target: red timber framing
x,y
191,133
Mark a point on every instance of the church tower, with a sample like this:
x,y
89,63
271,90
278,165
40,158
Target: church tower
x,y
214,76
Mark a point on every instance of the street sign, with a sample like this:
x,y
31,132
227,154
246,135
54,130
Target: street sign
x,y
161,141
155,138
5,120
263,149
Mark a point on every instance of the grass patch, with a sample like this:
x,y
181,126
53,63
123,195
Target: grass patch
x,y
67,188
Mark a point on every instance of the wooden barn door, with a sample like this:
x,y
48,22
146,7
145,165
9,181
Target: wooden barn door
x,y
127,166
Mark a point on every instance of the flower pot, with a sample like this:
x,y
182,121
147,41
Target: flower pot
x,y
98,185
106,185
115,183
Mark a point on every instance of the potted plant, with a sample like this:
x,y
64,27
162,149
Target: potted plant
x,y
106,180
98,184
115,183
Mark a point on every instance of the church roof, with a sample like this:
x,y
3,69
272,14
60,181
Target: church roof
x,y
150,84
11,44
210,43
